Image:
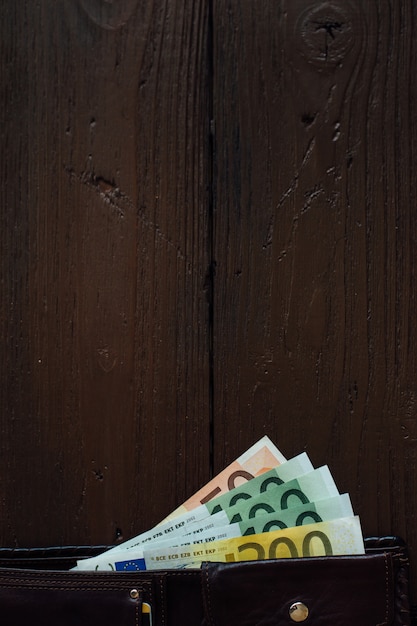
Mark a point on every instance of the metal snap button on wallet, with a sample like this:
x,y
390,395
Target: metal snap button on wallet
x,y
298,612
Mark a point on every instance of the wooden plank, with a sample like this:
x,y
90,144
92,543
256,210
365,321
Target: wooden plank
x,y
105,415
314,316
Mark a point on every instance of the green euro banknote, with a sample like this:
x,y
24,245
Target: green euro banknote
x,y
177,526
335,537
261,522
309,513
271,496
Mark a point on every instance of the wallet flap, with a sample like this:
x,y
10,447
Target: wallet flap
x,y
326,591
50,598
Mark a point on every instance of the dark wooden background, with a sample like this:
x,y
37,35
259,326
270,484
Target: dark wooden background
x,y
207,234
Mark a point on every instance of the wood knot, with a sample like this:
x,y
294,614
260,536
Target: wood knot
x,y
109,14
107,358
326,33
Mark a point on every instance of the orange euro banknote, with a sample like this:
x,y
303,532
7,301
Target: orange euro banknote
x,y
259,458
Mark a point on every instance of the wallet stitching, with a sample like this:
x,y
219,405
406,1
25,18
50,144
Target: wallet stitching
x,y
386,591
18,583
66,583
386,588
209,613
52,575
161,584
180,574
55,580
122,584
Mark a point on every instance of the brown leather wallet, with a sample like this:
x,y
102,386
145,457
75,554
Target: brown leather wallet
x,y
36,588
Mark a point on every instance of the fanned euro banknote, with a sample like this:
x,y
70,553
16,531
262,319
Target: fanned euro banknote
x,y
335,537
254,498
260,458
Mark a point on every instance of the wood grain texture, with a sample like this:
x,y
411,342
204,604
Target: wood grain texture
x,y
153,278
314,293
104,312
